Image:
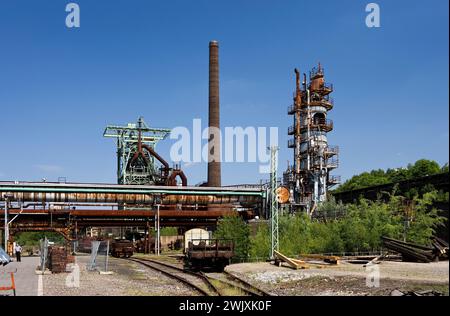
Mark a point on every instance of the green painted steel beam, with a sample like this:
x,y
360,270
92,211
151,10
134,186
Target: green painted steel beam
x,y
135,128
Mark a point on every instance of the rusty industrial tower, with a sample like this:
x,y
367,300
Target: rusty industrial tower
x,y
309,179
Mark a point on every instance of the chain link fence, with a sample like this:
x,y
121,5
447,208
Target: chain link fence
x,y
43,253
99,260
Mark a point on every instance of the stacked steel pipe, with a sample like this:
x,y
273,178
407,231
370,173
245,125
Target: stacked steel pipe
x,y
417,253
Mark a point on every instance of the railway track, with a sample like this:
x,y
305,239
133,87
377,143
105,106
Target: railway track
x,y
197,282
236,282
211,284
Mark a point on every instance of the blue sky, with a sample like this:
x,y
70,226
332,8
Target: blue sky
x,y
59,87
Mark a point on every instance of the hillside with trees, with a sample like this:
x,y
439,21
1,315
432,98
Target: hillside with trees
x,y
420,168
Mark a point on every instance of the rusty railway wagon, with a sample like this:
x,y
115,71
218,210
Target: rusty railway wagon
x,y
209,254
122,248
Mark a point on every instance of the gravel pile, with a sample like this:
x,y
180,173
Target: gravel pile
x,y
274,277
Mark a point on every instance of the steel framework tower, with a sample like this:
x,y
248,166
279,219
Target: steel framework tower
x,y
309,178
273,200
136,156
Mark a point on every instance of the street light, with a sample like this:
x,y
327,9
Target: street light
x,y
157,224
7,197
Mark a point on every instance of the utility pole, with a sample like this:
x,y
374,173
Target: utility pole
x,y
273,201
158,233
6,228
6,225
157,226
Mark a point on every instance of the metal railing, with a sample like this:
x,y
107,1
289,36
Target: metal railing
x,y
291,130
291,143
316,71
332,163
324,88
204,245
323,124
326,102
288,176
327,86
332,150
291,109
334,179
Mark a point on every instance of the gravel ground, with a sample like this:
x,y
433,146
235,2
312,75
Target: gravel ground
x,y
133,279
128,279
346,278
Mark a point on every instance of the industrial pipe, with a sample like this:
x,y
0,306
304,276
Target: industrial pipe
x,y
171,181
127,194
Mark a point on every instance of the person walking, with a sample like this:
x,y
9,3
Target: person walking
x,y
18,250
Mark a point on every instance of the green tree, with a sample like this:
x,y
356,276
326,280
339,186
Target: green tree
x,y
420,168
398,174
234,227
294,234
331,209
424,167
169,231
260,243
425,219
32,238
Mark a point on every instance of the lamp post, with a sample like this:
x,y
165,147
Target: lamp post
x,y
7,199
157,226
158,234
6,225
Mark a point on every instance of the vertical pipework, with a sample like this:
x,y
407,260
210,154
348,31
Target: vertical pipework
x,y
214,173
297,101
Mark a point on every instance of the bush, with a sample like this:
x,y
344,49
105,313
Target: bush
x,y
234,227
424,219
32,238
260,243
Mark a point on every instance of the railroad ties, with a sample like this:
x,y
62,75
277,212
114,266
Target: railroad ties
x,y
210,284
195,281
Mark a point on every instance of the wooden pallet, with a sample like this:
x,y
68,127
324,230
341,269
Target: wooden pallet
x,y
293,263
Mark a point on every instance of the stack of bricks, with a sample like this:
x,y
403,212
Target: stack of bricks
x,y
70,258
57,259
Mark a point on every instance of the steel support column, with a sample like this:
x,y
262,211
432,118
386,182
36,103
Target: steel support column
x,y
273,201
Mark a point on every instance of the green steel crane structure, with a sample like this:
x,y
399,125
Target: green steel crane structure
x,y
134,165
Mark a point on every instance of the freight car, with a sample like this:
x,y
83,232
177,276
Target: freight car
x,y
122,248
194,233
209,254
